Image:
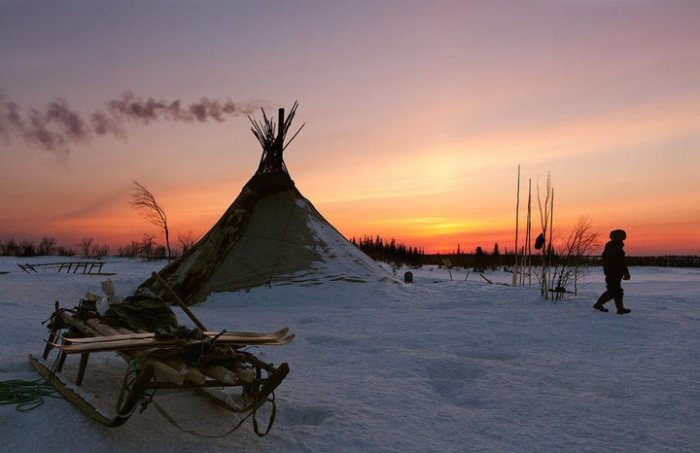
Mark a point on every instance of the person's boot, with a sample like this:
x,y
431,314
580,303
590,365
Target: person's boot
x,y
621,310
601,301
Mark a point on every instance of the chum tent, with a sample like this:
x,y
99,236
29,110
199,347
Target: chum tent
x,y
270,235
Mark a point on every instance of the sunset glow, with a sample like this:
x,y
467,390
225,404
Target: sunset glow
x,y
417,116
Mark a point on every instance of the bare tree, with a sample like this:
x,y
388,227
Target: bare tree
x,y
186,241
47,246
147,246
27,248
130,250
570,261
99,251
144,201
10,248
85,247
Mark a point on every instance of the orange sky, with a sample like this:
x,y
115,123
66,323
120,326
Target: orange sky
x,y
417,114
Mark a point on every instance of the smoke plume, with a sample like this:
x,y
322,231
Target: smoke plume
x,y
57,127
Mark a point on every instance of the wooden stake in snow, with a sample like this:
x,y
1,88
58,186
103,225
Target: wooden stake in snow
x,y
545,216
528,241
525,259
517,211
550,248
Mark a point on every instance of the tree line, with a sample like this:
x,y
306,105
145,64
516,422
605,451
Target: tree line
x,y
376,247
390,251
147,248
479,259
143,201
45,247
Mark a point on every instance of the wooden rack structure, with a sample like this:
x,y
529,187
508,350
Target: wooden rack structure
x,y
69,267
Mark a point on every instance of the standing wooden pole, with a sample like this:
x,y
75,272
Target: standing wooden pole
x,y
529,232
179,301
551,217
550,250
524,262
81,368
517,211
280,125
544,216
277,150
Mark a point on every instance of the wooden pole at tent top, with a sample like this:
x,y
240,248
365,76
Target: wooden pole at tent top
x,y
280,124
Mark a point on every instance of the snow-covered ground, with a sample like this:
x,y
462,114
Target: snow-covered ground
x,y
437,365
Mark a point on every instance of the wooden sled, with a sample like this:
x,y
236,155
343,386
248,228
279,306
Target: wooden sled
x,y
212,359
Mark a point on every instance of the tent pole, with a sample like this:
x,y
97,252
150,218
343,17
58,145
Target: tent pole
x,y
280,125
179,301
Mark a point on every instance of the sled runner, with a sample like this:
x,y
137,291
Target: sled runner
x,y
159,355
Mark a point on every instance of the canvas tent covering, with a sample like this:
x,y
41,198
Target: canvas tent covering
x,y
270,235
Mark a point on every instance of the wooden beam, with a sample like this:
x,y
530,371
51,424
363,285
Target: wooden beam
x,y
280,124
179,301
81,369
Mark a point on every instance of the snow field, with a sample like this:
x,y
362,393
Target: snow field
x,y
438,365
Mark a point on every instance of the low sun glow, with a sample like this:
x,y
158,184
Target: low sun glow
x,y
417,139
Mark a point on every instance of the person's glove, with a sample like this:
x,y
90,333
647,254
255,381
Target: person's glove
x,y
626,276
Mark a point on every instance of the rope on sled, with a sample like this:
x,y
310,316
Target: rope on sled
x,y
146,399
252,410
252,413
26,395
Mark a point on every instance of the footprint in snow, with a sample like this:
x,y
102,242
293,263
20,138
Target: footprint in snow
x,y
300,416
449,378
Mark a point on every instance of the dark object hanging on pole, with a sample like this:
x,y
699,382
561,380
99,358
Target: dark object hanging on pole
x,y
539,242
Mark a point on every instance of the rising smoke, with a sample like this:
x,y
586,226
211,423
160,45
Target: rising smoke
x,y
57,127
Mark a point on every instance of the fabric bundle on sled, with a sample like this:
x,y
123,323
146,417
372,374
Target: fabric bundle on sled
x,y
140,313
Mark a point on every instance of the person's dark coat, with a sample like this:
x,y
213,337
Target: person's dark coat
x,y
615,270
614,265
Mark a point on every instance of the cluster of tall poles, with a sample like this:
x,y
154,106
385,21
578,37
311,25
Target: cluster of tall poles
x,y
523,265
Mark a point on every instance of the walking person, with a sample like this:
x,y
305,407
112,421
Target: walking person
x,y
615,271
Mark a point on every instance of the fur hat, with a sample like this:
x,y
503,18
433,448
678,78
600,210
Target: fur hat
x,y
618,235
